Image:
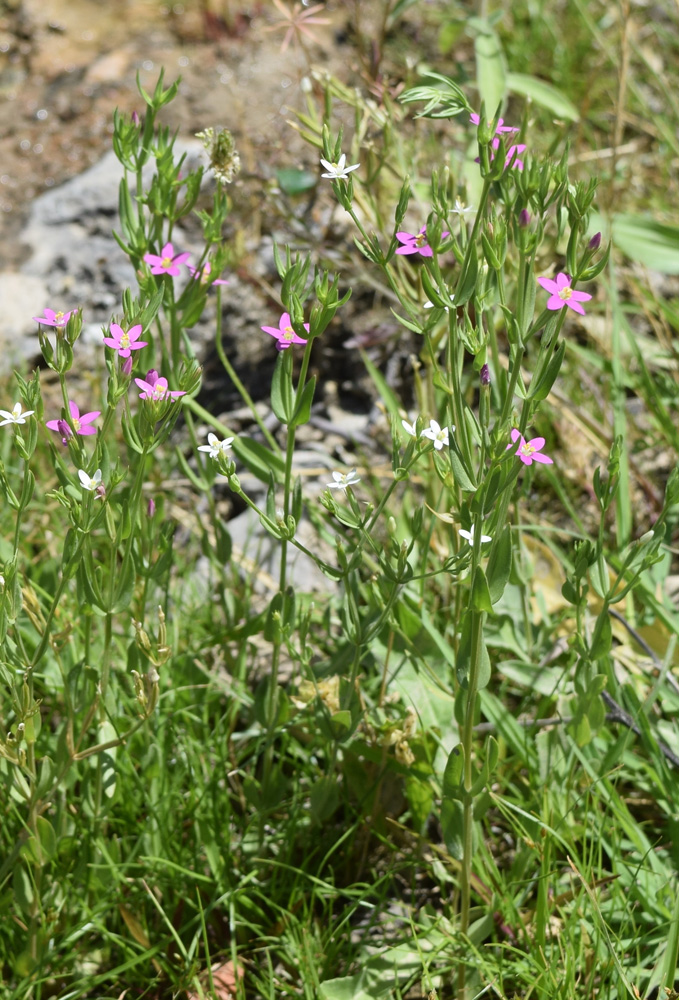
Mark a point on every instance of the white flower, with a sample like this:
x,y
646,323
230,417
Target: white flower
x,y
410,429
16,416
215,447
90,482
469,535
439,435
343,480
461,209
338,171
430,305
2,582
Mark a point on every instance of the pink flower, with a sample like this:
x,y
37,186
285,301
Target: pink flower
x,y
168,262
123,342
562,294
82,424
529,451
416,242
284,334
511,160
202,274
52,318
501,127
155,387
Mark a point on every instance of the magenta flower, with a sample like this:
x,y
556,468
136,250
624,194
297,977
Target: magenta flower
x,y
416,242
168,262
52,318
82,424
155,388
501,127
529,451
284,333
123,342
202,274
561,293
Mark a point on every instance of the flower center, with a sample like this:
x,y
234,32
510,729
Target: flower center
x,y
59,318
125,340
420,239
288,333
527,449
566,293
166,262
76,423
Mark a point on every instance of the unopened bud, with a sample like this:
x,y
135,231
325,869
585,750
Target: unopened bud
x,y
595,242
151,507
135,119
64,430
524,218
127,366
485,375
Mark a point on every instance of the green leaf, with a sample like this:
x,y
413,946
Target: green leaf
x,y
500,565
452,776
47,838
480,593
293,181
281,387
641,238
451,827
542,93
460,474
603,637
303,408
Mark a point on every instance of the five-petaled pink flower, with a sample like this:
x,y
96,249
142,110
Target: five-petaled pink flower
x,y
155,387
125,342
168,262
284,334
529,451
52,318
416,242
202,274
499,128
82,424
561,293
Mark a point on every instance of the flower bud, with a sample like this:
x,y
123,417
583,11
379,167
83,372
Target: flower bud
x,y
485,374
127,366
151,507
524,218
595,242
135,119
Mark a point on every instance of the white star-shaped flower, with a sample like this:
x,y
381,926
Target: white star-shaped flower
x,y
338,171
15,416
342,480
410,429
469,535
215,447
439,435
461,209
89,482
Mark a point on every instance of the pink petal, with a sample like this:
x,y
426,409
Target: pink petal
x,y
181,258
555,303
86,431
134,332
110,342
526,459
425,250
563,281
272,331
407,250
53,425
87,418
537,443
515,435
580,296
575,306
75,412
144,385
549,285
543,459
167,251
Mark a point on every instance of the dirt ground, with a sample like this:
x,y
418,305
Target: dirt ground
x,y
65,65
